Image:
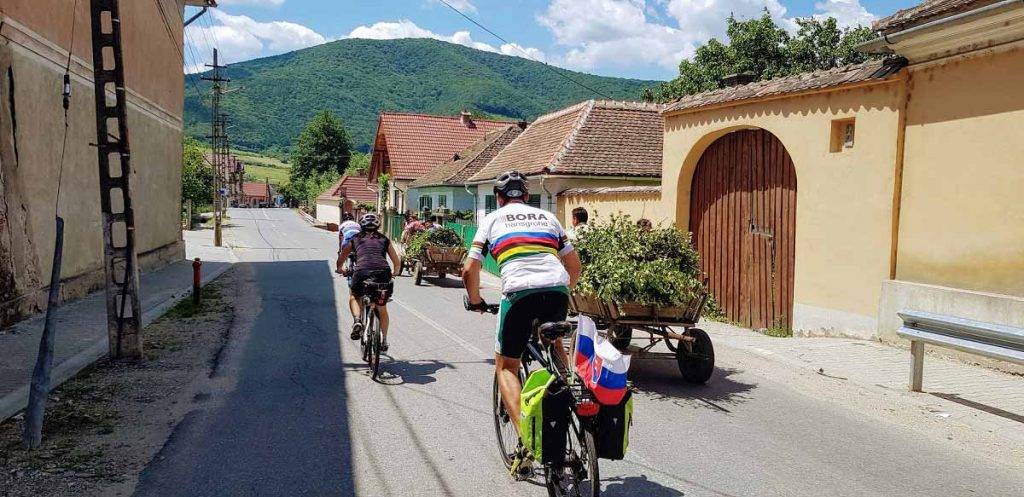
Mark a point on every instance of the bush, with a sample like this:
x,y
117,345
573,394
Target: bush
x,y
438,237
624,263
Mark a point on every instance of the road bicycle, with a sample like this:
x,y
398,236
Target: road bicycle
x,y
578,475
374,294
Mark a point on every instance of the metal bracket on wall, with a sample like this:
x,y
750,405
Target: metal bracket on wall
x,y
119,252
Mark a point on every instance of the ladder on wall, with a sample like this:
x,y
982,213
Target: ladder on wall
x,y
120,258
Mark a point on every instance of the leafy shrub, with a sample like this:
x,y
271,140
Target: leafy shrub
x,y
624,263
438,237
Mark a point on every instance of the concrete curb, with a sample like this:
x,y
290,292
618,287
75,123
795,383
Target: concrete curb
x,y
15,401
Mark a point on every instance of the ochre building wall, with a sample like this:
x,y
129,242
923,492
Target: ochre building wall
x,y
844,202
603,205
962,219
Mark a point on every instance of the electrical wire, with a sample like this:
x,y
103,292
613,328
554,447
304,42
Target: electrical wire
x,y
66,103
525,53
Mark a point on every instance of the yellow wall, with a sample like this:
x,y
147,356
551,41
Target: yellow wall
x,y
602,205
844,199
962,220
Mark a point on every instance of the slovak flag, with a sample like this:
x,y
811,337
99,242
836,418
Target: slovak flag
x,y
601,366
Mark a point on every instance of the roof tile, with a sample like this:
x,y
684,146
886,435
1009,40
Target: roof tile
x,y
925,12
416,143
355,188
470,160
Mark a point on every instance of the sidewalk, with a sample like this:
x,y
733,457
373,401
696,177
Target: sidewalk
x,y
81,326
955,393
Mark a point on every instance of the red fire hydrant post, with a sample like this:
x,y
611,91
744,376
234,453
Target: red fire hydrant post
x,y
197,289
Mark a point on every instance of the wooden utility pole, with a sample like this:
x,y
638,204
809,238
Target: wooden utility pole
x,y
219,144
120,258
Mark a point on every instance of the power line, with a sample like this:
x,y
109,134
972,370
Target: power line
x,y
524,52
66,97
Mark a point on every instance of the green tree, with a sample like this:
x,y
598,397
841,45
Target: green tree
x,y
359,164
196,174
760,48
322,147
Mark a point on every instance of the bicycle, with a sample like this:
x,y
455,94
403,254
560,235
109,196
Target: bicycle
x,y
374,294
579,474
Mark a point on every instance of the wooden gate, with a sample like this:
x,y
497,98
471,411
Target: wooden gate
x,y
743,219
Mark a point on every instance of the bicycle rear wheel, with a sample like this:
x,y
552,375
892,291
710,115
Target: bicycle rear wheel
x,y
508,435
363,342
375,339
580,476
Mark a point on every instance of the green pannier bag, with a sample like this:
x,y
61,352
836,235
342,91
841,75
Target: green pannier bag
x,y
544,423
612,427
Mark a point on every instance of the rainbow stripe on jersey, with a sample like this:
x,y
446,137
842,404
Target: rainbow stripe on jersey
x,y
524,244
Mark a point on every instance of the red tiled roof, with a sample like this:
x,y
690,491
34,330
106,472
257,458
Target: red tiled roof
x,y
470,160
592,138
925,12
855,73
353,188
255,189
416,143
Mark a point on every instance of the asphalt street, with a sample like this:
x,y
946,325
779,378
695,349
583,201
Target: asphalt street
x,y
295,413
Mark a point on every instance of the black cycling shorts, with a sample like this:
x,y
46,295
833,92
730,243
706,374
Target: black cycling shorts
x,y
360,277
520,310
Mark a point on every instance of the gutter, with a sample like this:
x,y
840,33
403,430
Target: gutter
x,y
884,41
581,176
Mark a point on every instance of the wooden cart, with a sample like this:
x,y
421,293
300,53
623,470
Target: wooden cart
x,y
439,261
617,321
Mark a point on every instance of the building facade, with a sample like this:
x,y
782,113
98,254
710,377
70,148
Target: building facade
x,y
34,49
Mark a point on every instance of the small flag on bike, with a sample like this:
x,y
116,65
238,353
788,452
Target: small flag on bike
x,y
601,366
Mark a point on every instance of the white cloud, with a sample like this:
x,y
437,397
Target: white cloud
x,y
462,5
407,29
634,33
242,38
848,13
255,3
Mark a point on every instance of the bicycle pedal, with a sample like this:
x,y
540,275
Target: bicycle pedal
x,y
522,468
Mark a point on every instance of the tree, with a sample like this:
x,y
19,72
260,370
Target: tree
x,y
359,164
763,50
322,147
196,174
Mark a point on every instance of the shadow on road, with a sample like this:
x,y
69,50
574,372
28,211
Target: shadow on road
x,y
637,485
659,376
412,372
449,282
952,397
277,421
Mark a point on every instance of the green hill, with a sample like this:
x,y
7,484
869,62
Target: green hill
x,y
359,78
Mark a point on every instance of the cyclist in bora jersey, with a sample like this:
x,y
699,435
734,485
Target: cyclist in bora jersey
x,y
538,266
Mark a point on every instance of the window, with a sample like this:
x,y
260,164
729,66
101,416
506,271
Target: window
x,y
425,203
490,204
442,201
534,201
844,133
396,196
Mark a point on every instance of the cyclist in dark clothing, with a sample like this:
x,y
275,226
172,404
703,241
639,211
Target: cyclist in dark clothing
x,y
372,250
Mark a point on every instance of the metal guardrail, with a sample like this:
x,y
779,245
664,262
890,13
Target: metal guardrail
x,y
1005,343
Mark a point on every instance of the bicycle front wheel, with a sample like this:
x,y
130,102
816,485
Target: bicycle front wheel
x,y
508,435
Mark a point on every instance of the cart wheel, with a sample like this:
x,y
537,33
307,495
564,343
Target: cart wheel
x,y
417,273
620,336
696,359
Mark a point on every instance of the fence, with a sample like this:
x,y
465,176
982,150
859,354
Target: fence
x,y
467,232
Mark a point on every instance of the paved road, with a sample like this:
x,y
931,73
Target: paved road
x,y
296,413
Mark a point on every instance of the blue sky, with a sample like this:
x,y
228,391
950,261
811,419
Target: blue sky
x,y
631,38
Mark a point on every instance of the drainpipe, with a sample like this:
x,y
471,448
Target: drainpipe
x,y
465,186
551,199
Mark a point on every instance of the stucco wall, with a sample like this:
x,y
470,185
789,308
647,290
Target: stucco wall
x,y
635,205
962,219
155,134
844,199
328,211
550,189
457,197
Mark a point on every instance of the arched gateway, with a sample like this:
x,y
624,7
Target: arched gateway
x,y
743,219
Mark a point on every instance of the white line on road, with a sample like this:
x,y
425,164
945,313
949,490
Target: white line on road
x,y
450,334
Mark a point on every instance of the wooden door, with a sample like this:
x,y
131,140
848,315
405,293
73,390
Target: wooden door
x,y
743,217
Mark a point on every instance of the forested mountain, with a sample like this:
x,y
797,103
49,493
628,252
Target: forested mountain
x,y
356,79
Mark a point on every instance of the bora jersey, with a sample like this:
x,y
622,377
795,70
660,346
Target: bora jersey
x,y
527,243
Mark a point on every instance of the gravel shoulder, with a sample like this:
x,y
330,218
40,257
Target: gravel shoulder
x,y
103,427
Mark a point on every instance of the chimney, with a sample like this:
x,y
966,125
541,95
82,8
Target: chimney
x,y
522,125
466,118
738,79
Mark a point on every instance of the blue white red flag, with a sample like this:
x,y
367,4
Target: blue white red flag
x,y
601,366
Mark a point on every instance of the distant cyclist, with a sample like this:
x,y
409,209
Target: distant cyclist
x,y
348,228
538,266
372,250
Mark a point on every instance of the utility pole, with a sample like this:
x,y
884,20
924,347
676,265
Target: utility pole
x,y
219,144
120,260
